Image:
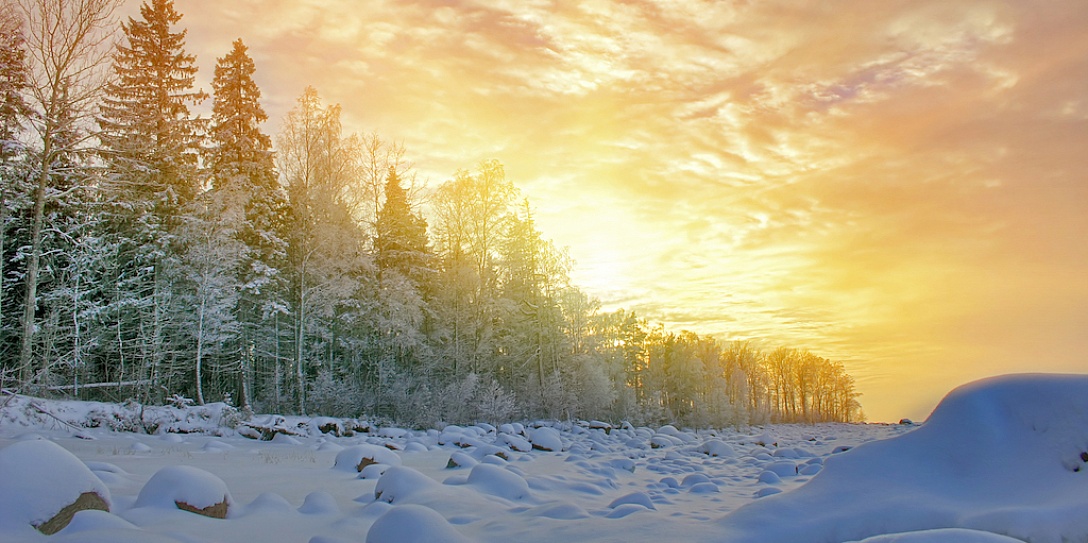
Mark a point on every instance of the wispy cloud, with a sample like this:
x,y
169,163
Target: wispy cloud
x,y
895,184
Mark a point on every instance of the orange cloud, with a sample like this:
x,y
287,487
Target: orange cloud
x,y
899,185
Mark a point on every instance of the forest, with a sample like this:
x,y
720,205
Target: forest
x,y
151,253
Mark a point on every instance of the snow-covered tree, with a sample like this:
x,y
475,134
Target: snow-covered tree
x,y
64,54
243,174
326,259
13,112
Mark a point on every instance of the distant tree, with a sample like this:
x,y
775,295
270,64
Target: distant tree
x,y
327,264
400,241
207,284
472,210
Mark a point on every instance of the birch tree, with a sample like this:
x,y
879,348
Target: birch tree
x,y
66,54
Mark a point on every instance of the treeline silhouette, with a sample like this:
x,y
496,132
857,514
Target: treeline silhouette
x,y
148,252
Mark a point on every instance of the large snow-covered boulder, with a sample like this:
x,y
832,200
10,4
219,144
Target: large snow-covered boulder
x,y
1007,455
546,439
43,485
413,524
186,488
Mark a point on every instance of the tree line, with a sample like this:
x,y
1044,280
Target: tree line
x,y
149,252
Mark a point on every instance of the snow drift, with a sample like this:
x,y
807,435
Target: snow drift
x,y
1005,455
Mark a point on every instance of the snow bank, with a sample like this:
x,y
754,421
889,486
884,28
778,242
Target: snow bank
x,y
1005,455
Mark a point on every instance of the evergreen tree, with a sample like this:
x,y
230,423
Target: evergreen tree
x,y
13,112
401,240
243,174
238,148
150,142
147,130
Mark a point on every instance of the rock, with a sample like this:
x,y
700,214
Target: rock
x,y
546,439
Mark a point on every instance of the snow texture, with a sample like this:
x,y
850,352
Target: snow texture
x,y
1001,460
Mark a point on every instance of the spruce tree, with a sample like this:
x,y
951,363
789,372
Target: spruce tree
x,y
401,240
13,111
147,129
150,140
243,176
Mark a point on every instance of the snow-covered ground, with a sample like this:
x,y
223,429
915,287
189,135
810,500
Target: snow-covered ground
x,y
999,460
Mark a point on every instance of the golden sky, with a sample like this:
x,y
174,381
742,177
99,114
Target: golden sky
x,y
900,185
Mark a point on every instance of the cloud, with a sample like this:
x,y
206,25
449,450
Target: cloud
x,y
894,184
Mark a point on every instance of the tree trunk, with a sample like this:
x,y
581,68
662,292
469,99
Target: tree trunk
x,y
30,301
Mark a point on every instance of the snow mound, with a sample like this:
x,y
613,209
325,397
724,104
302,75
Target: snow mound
x,y
188,488
360,456
413,524
399,483
498,481
319,502
40,480
1006,455
950,535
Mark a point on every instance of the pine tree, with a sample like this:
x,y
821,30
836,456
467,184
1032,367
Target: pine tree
x,y
150,141
401,238
243,174
146,126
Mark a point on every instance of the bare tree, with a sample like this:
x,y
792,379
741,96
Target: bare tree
x,y
66,46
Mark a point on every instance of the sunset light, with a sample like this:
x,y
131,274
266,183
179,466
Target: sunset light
x,y
487,271
899,186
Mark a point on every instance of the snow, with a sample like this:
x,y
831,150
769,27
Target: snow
x,y
1000,460
412,524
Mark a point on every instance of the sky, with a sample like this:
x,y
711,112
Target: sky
x,y
898,185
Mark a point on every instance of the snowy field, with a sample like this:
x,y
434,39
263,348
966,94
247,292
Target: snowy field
x,y
999,460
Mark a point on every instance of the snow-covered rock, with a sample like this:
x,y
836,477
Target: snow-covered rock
x,y
43,485
186,488
399,483
546,439
498,481
358,457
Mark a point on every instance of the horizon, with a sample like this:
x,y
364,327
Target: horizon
x,y
896,186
